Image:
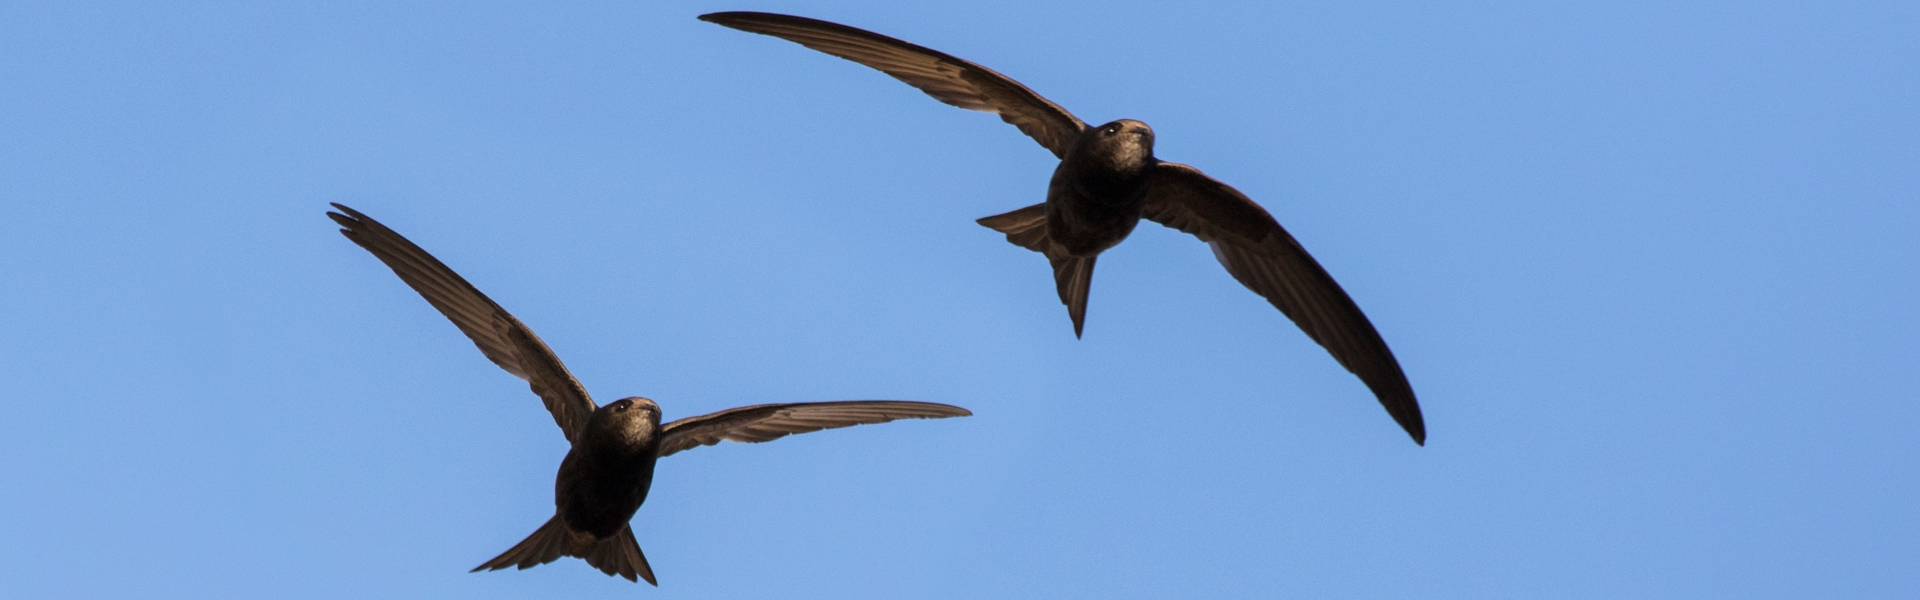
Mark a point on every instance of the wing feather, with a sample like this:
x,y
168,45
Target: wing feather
x,y
501,337
766,422
947,78
1261,255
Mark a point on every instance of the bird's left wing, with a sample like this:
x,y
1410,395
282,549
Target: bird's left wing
x,y
1258,252
504,339
947,78
766,422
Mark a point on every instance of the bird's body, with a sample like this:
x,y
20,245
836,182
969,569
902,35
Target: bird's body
x,y
1096,194
1106,182
608,469
604,479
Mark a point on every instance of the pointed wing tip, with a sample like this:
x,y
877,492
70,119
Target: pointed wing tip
x,y
1417,429
345,211
1407,416
347,218
736,18
939,411
351,223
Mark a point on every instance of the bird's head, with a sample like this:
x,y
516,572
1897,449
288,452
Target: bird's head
x,y
629,421
1127,143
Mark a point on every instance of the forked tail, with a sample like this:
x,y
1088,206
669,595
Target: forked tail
x,y
1027,228
1073,275
617,555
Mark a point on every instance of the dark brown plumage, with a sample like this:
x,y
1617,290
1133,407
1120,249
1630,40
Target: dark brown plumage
x,y
1108,179
608,470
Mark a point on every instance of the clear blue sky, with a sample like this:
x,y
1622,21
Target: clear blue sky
x,y
1650,266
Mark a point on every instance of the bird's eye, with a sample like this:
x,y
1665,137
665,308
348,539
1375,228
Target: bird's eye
x,y
621,407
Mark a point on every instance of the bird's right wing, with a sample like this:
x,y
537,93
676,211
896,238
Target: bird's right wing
x,y
765,422
505,340
947,78
1264,257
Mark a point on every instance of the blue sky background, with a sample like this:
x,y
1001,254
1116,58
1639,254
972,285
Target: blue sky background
x,y
1649,265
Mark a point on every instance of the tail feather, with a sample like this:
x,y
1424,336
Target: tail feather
x,y
618,555
1074,276
1026,228
547,543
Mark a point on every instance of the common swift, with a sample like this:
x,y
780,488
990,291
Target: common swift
x,y
609,468
1108,179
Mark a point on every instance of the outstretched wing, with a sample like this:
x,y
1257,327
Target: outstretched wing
x,y
1259,253
504,340
766,422
947,78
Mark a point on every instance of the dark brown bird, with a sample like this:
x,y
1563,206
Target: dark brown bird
x,y
1108,179
607,472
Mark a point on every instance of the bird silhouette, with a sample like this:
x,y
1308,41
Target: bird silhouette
x,y
1108,179
609,468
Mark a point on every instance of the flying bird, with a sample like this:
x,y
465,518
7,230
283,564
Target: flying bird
x,y
609,468
1108,179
